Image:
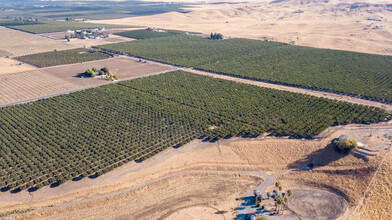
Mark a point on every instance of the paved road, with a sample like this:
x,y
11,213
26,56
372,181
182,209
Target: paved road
x,y
247,206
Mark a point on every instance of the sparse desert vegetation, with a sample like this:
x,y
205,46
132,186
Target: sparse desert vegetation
x,y
363,26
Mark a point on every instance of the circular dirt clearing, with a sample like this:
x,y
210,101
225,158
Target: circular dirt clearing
x,y
317,204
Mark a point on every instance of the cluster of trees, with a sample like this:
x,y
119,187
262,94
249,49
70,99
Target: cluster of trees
x,y
358,74
104,72
55,58
58,139
346,145
279,196
216,36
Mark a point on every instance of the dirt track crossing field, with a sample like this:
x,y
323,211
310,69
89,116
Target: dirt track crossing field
x,y
44,82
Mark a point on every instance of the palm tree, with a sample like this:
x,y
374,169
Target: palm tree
x,y
279,201
289,193
277,184
286,201
268,194
276,206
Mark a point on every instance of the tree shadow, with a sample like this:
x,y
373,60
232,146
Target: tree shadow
x,y
94,176
138,160
321,157
56,184
16,190
32,189
4,189
77,178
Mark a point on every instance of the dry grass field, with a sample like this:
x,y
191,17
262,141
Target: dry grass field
x,y
335,24
346,176
165,199
19,43
46,81
8,65
378,202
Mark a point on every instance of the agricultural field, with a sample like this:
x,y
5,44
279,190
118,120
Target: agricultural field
x,y
352,73
30,84
55,58
145,34
17,43
122,67
7,22
25,85
8,65
56,26
95,10
4,53
91,132
189,50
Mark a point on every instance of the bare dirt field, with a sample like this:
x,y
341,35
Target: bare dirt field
x,y
283,158
122,67
30,84
317,204
19,43
8,65
52,80
364,26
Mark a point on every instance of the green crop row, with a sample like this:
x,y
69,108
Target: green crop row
x,y
93,131
55,58
358,74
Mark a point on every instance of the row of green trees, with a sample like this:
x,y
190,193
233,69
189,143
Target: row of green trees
x,y
94,131
358,74
54,58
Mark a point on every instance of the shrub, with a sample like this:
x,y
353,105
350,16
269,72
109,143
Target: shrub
x,y
346,145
